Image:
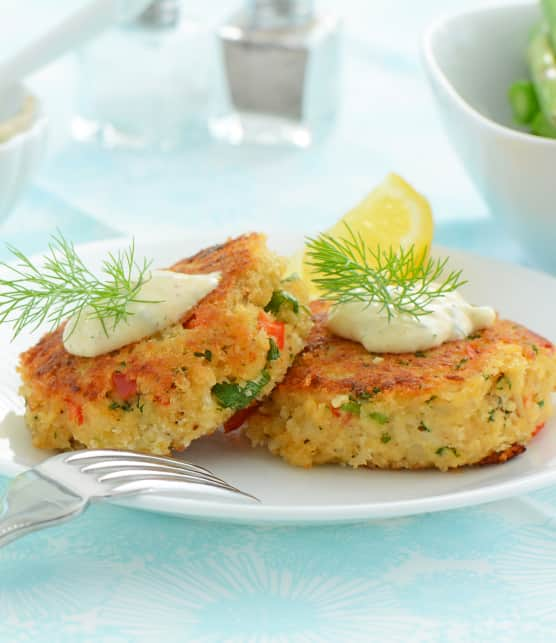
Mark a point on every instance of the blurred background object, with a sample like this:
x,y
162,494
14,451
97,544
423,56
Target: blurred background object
x,y
280,75
23,123
144,81
23,129
385,121
472,59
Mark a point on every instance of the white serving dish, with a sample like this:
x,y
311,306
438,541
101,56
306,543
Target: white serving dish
x,y
20,155
471,59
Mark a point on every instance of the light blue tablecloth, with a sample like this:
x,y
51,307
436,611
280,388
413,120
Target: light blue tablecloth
x,y
481,574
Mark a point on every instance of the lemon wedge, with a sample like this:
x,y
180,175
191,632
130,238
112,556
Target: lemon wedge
x,y
393,215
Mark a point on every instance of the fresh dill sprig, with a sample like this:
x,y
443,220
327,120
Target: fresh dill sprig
x,y
62,286
401,282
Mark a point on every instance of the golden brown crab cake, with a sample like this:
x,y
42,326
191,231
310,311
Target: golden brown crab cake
x,y
477,400
162,392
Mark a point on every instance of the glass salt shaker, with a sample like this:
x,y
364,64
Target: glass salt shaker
x,y
144,83
280,74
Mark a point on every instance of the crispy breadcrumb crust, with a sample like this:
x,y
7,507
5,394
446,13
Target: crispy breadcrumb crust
x,y
73,401
475,401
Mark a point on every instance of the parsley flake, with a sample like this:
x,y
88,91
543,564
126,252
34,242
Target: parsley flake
x,y
206,354
352,407
443,450
236,396
273,351
278,299
379,417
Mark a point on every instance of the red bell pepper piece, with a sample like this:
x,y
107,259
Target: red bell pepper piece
x,y
75,411
274,329
238,418
125,387
538,429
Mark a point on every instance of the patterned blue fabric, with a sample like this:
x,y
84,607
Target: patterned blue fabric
x,y
481,574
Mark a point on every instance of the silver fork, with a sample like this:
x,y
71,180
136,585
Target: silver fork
x,y
62,486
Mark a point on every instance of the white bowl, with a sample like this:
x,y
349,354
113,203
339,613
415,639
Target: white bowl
x,y
471,60
20,155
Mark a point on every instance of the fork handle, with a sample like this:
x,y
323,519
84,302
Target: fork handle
x,y
33,502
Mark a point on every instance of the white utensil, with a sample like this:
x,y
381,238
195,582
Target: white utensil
x,y
20,155
63,486
70,33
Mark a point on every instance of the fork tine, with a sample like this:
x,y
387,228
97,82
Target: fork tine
x,y
94,454
168,471
103,465
144,478
142,486
149,474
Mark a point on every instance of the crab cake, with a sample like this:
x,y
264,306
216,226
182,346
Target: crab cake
x,y
473,401
164,391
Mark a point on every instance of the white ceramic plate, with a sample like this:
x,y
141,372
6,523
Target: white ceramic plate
x,y
328,493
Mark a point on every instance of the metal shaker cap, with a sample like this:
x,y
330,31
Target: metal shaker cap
x,y
268,14
160,14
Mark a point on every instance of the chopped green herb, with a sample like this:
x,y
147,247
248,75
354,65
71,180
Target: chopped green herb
x,y
423,427
385,438
278,299
460,364
123,364
540,403
503,379
235,396
367,395
379,417
442,451
420,354
403,362
431,399
535,349
352,407
206,354
125,406
486,376
475,336
273,351
491,414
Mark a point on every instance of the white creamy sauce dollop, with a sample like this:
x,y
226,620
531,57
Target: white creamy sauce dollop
x,y
450,318
175,294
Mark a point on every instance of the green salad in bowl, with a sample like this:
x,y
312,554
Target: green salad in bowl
x,y
533,101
